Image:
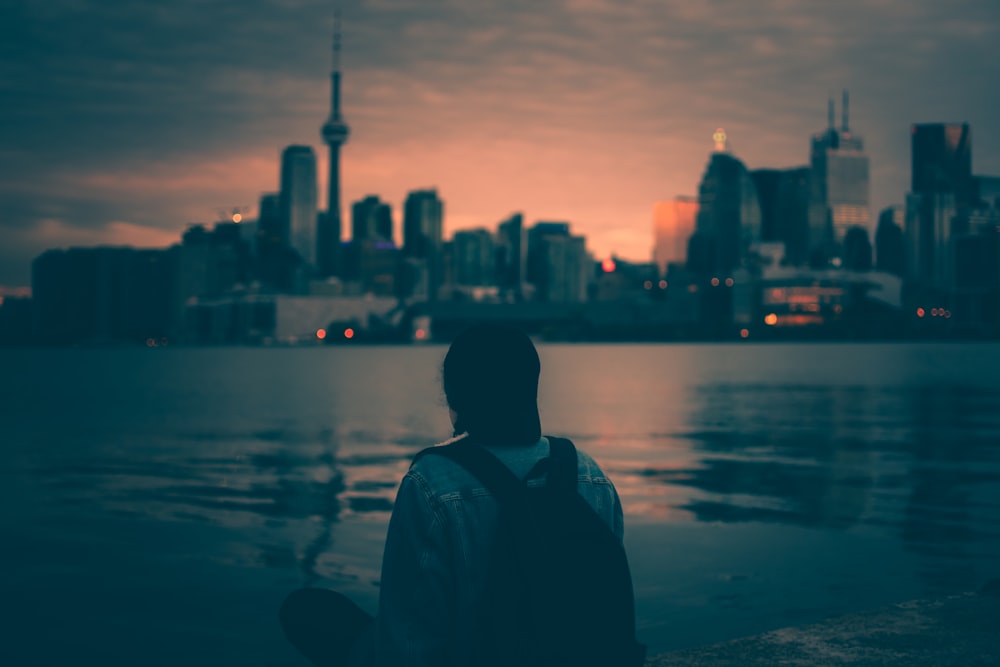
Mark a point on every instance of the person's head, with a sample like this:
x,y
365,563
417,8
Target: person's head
x,y
491,384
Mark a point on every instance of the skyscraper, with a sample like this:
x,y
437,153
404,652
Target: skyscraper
x,y
473,257
840,185
423,222
728,213
371,220
937,208
784,208
298,201
942,160
673,224
335,133
511,256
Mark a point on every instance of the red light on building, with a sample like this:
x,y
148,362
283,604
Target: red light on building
x,y
608,265
663,284
744,333
321,333
348,333
771,319
729,282
921,312
648,284
715,282
420,334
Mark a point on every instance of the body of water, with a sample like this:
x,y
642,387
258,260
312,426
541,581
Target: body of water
x,y
156,505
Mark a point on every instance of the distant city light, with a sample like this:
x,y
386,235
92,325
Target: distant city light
x,y
420,334
648,284
348,333
729,282
771,319
947,314
921,312
715,282
934,312
744,333
663,284
608,265
237,217
321,333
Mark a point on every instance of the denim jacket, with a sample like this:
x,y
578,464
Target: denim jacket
x,y
436,549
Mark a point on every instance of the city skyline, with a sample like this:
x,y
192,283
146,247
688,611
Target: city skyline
x,y
562,113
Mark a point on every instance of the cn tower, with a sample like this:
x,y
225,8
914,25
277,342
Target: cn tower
x,y
335,133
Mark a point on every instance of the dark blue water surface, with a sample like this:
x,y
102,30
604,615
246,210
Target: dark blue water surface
x,y
156,505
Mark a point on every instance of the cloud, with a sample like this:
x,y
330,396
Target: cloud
x,y
582,110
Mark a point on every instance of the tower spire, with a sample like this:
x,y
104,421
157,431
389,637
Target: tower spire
x,y
335,133
830,113
844,111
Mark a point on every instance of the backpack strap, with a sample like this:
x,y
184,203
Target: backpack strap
x,y
485,467
563,464
560,465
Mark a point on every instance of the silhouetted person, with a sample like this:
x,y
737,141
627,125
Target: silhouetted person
x,y
442,576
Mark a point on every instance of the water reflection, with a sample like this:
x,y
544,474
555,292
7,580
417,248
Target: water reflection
x,y
921,462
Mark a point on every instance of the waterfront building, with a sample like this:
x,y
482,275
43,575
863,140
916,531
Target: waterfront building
x,y
103,294
297,201
335,132
673,224
839,194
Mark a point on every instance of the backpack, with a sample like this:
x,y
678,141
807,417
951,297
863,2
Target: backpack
x,y
559,589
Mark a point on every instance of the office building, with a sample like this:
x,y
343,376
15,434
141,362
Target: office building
x,y
511,257
728,215
473,258
941,155
298,201
890,249
784,207
423,227
673,225
371,220
839,197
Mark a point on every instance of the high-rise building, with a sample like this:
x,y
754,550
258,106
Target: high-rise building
x,y
371,220
890,251
423,226
335,133
942,198
942,161
728,214
839,197
473,258
930,224
298,201
673,225
784,208
537,261
566,267
511,257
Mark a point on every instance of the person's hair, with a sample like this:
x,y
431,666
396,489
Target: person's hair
x,y
491,382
